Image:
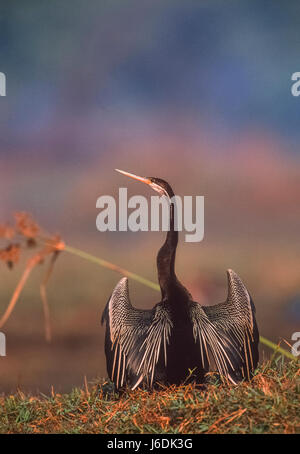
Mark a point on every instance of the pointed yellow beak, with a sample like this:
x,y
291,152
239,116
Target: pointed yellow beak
x,y
135,177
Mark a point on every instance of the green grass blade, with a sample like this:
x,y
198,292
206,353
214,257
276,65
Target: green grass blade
x,y
111,266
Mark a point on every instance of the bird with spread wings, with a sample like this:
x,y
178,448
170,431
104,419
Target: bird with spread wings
x,y
178,339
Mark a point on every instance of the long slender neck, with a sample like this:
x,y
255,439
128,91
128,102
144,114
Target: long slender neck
x,y
166,259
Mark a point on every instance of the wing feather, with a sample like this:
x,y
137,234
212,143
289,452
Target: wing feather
x,y
235,318
135,338
213,343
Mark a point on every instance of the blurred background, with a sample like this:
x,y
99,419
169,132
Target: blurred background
x,y
197,93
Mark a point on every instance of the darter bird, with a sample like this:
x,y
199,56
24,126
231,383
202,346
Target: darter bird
x,y
179,340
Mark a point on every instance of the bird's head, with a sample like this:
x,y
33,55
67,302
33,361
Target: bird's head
x,y
157,184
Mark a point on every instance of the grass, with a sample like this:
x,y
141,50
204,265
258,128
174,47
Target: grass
x,y
268,404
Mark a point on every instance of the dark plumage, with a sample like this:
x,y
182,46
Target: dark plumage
x,y
178,338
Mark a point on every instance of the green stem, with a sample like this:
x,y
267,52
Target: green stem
x,y
111,266
276,348
148,283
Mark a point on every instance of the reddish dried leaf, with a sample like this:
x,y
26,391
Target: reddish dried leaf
x,y
11,254
31,242
26,225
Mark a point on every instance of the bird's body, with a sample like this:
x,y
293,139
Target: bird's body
x,y
178,340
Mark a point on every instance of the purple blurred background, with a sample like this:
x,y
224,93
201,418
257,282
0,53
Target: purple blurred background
x,y
197,93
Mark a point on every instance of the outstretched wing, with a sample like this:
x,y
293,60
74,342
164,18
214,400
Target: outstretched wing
x,y
135,338
235,319
214,345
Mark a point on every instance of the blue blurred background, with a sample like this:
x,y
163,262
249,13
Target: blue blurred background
x,y
198,93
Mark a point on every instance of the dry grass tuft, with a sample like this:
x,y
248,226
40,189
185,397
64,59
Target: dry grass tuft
x,y
268,404
25,235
